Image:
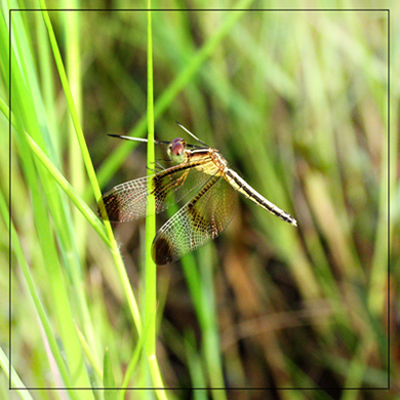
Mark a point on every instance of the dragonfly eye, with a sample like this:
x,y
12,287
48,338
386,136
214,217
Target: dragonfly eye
x,y
176,150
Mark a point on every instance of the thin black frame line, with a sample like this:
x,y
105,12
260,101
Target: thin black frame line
x,y
336,389
198,10
203,9
388,127
9,206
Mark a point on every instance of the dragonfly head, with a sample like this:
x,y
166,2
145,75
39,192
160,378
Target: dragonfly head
x,y
176,150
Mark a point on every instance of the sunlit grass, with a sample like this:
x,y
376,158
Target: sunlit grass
x,y
297,102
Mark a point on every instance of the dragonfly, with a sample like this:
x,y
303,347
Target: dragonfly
x,y
201,176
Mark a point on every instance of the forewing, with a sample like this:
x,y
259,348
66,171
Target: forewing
x,y
127,201
200,220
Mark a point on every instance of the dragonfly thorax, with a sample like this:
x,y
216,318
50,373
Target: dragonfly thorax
x,y
176,150
218,160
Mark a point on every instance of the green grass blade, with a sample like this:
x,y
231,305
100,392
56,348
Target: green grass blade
x,y
151,268
16,380
172,91
150,279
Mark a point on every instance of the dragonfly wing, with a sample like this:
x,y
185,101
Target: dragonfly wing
x,y
200,220
127,201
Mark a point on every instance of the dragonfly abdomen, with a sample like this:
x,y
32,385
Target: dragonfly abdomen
x,y
243,187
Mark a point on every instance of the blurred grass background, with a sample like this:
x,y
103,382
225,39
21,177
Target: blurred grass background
x,y
297,102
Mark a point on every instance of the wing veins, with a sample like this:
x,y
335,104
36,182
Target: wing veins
x,y
127,201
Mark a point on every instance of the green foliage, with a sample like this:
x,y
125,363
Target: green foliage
x,y
297,102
